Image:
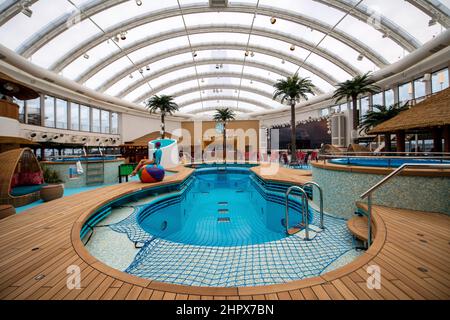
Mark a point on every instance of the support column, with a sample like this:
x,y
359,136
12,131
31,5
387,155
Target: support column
x,y
437,140
446,135
400,135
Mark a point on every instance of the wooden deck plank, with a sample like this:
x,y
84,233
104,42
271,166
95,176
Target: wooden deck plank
x,y
414,258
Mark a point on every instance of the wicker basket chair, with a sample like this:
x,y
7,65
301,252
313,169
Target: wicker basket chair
x,y
16,161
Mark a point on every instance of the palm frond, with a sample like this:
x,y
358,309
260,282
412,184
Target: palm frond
x,y
162,104
293,88
224,115
359,85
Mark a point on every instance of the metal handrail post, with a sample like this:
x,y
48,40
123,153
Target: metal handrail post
x,y
305,209
312,183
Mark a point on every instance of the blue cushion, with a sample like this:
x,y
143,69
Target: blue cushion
x,y
23,190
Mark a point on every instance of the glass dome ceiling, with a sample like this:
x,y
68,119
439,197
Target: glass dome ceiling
x,y
216,53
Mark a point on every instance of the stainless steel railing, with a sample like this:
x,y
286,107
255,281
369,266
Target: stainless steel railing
x,y
369,192
305,209
312,183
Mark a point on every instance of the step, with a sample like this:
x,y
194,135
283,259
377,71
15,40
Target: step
x,y
302,234
358,226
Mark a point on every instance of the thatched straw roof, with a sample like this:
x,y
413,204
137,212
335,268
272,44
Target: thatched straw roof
x,y
144,140
432,112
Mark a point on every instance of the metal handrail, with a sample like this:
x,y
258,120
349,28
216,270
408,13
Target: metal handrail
x,y
312,183
305,209
368,193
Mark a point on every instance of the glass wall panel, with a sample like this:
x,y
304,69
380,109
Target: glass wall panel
x,y
324,112
34,111
21,105
364,106
49,111
95,120
343,107
377,99
114,123
439,80
405,92
74,116
84,118
419,88
61,114
389,98
105,121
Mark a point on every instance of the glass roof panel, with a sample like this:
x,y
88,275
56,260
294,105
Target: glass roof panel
x,y
228,18
159,47
62,44
406,16
23,27
105,74
128,10
137,93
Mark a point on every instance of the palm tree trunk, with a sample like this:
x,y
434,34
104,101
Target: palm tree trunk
x,y
355,113
163,126
224,146
293,133
355,117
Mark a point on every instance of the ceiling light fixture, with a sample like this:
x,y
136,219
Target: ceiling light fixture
x,y
432,22
247,53
273,20
282,61
147,68
131,76
252,54
194,54
26,9
360,57
123,35
86,56
141,71
139,3
292,48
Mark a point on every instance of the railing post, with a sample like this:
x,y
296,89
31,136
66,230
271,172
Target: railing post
x,y
306,212
369,220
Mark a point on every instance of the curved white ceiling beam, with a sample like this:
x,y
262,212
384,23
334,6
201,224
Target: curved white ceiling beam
x,y
386,26
205,75
217,46
434,9
226,98
322,52
223,86
245,110
42,37
188,64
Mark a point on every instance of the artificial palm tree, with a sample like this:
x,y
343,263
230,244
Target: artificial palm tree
x,y
224,115
163,104
351,89
292,89
378,115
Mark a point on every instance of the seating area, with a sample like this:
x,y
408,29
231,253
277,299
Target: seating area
x,y
21,177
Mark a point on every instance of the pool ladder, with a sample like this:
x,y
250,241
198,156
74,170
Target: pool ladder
x,y
305,209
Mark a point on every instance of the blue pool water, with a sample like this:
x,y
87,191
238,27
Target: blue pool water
x,y
222,208
180,239
389,162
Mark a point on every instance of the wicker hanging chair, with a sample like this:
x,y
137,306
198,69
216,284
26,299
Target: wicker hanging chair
x,y
15,162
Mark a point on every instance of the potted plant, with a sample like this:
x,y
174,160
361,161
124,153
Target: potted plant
x,y
54,188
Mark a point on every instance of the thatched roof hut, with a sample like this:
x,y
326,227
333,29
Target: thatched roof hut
x,y
432,112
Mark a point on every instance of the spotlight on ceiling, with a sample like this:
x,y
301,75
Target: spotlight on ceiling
x,y
86,56
194,54
292,48
131,76
273,20
360,57
252,54
26,9
116,38
123,35
282,61
147,68
247,53
141,71
139,3
432,22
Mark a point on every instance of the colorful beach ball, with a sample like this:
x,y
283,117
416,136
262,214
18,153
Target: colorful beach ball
x,y
151,173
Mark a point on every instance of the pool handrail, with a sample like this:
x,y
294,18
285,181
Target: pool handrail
x,y
312,183
305,209
371,190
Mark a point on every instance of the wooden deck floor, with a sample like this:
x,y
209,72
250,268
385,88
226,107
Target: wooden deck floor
x,y
36,247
